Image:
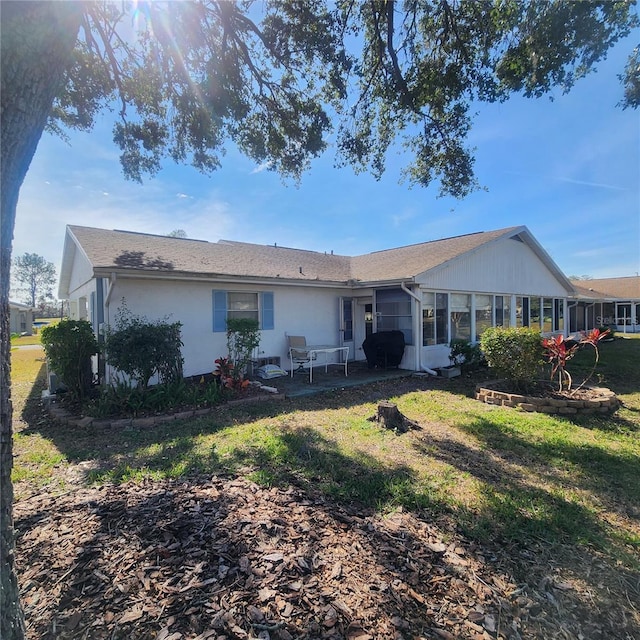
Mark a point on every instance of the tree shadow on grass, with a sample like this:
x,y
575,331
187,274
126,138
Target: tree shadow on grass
x,y
514,474
170,448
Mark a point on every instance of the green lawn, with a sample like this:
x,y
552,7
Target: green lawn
x,y
500,473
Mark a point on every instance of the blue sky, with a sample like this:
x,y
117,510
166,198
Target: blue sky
x,y
569,169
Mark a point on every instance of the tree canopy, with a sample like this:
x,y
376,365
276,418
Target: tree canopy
x,y
285,78
35,276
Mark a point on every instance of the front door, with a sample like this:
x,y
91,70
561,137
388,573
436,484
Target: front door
x,y
346,324
356,323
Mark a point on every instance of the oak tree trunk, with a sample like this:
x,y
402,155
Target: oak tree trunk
x,y
37,40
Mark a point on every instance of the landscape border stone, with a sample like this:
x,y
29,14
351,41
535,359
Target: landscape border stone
x,y
604,400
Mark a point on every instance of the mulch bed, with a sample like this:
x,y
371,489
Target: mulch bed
x,y
221,558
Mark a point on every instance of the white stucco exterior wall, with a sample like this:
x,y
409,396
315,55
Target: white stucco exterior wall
x,y
313,313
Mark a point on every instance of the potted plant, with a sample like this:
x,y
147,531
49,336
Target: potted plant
x,y
456,357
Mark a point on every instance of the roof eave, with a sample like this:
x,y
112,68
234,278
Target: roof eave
x,y
106,272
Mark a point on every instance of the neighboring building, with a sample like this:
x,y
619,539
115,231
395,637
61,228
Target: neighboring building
x,y
613,302
433,292
21,317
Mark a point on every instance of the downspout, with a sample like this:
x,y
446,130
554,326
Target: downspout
x,y
107,300
416,332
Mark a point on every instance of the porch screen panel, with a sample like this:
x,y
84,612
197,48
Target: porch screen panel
x,y
608,313
503,311
393,312
623,314
534,313
547,314
460,314
558,314
522,311
442,318
428,318
591,316
484,313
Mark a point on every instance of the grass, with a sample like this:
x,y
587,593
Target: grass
x,y
501,474
18,341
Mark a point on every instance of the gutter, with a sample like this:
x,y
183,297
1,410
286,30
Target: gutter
x,y
416,332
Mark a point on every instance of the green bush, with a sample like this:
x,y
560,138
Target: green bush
x,y
125,399
69,346
514,354
243,336
140,348
465,354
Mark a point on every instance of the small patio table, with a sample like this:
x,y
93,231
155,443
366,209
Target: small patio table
x,y
313,350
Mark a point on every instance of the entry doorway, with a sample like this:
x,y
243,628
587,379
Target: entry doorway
x,y
356,323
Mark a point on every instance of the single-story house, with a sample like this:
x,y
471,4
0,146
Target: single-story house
x,y
433,292
21,318
613,302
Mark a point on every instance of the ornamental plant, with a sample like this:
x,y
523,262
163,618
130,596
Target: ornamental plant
x,y
141,349
226,373
243,337
69,346
558,352
514,353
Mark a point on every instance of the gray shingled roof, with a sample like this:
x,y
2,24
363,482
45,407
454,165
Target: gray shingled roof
x,y
625,288
115,250
127,250
409,261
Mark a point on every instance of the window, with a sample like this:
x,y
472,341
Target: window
x,y
522,311
558,314
393,312
547,315
435,314
484,313
347,319
243,304
534,313
460,313
503,311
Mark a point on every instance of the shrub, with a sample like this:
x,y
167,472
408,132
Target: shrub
x,y
243,336
467,355
125,399
69,346
514,353
140,348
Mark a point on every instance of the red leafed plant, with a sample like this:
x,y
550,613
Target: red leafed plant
x,y
225,372
558,353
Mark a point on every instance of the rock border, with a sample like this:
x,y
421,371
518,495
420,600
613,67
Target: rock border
x,y
605,401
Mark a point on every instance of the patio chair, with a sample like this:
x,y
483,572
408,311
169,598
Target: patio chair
x,y
298,354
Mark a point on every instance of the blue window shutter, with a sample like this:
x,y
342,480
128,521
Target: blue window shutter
x,y
268,320
219,310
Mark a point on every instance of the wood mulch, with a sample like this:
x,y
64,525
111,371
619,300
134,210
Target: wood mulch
x,y
221,558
